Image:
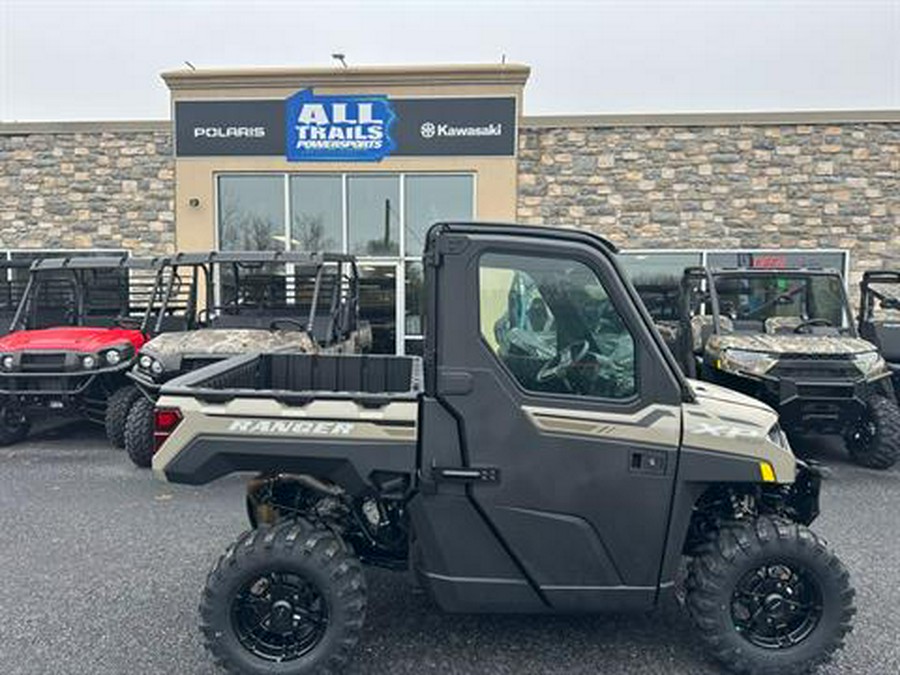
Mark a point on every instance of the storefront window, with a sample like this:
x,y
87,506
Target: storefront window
x,y
317,213
251,213
373,207
431,198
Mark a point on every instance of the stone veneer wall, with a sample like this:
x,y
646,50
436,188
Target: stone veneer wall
x,y
798,185
95,188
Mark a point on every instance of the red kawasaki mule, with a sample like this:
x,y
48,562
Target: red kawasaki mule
x,y
77,330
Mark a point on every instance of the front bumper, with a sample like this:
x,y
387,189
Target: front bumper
x,y
811,404
60,385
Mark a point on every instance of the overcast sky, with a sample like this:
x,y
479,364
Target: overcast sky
x,y
81,60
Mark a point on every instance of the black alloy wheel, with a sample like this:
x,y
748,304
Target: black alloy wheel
x,y
279,617
777,606
873,440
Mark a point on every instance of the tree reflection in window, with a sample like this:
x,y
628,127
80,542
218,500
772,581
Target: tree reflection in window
x,y
251,213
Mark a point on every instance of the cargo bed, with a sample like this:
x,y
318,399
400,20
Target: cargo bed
x,y
284,376
345,418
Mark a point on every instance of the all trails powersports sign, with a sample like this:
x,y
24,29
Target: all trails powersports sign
x,y
338,128
307,127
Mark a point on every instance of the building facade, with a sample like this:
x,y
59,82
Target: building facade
x,y
363,160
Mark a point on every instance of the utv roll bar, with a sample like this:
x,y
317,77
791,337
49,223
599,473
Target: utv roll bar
x,y
868,295
710,274
305,260
692,281
80,264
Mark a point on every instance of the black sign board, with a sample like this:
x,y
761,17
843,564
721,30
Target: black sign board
x,y
455,126
422,127
223,128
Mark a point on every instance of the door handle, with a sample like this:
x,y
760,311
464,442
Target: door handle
x,y
647,461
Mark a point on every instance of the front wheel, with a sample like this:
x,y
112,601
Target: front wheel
x,y
768,597
874,440
14,426
289,599
139,443
117,407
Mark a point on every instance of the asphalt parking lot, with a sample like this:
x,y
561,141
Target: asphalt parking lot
x,y
101,568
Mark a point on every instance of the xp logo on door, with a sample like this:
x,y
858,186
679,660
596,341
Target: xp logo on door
x,y
338,128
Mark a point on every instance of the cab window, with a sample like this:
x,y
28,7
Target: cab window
x,y
552,324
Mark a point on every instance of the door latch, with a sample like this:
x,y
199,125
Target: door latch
x,y
484,474
648,461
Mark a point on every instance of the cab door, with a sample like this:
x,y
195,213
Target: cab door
x,y
568,411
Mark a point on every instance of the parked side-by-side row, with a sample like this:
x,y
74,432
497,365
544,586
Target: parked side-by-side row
x,y
96,336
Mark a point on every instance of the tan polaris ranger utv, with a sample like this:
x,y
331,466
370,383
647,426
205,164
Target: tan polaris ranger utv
x,y
787,337
251,301
546,455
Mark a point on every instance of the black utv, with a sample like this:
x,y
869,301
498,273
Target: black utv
x,y
546,455
787,337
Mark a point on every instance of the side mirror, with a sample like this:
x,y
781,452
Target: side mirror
x,y
890,303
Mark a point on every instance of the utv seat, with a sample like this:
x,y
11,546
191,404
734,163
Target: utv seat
x,y
886,336
322,329
171,324
670,332
782,325
702,329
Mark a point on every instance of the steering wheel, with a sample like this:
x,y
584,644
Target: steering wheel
x,y
128,322
563,361
825,323
290,322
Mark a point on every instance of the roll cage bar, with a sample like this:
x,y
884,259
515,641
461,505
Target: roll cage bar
x,y
868,295
78,266
205,264
689,290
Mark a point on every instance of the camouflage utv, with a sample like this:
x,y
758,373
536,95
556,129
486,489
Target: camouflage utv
x,y
259,301
786,337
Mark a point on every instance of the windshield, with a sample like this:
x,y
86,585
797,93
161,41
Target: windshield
x,y
779,301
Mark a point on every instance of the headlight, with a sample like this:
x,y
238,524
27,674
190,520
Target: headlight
x,y
156,368
88,361
776,436
8,362
145,362
869,363
743,361
113,357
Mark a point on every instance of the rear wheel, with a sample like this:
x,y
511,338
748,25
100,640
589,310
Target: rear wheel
x,y
874,440
117,407
288,599
14,426
139,432
769,597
